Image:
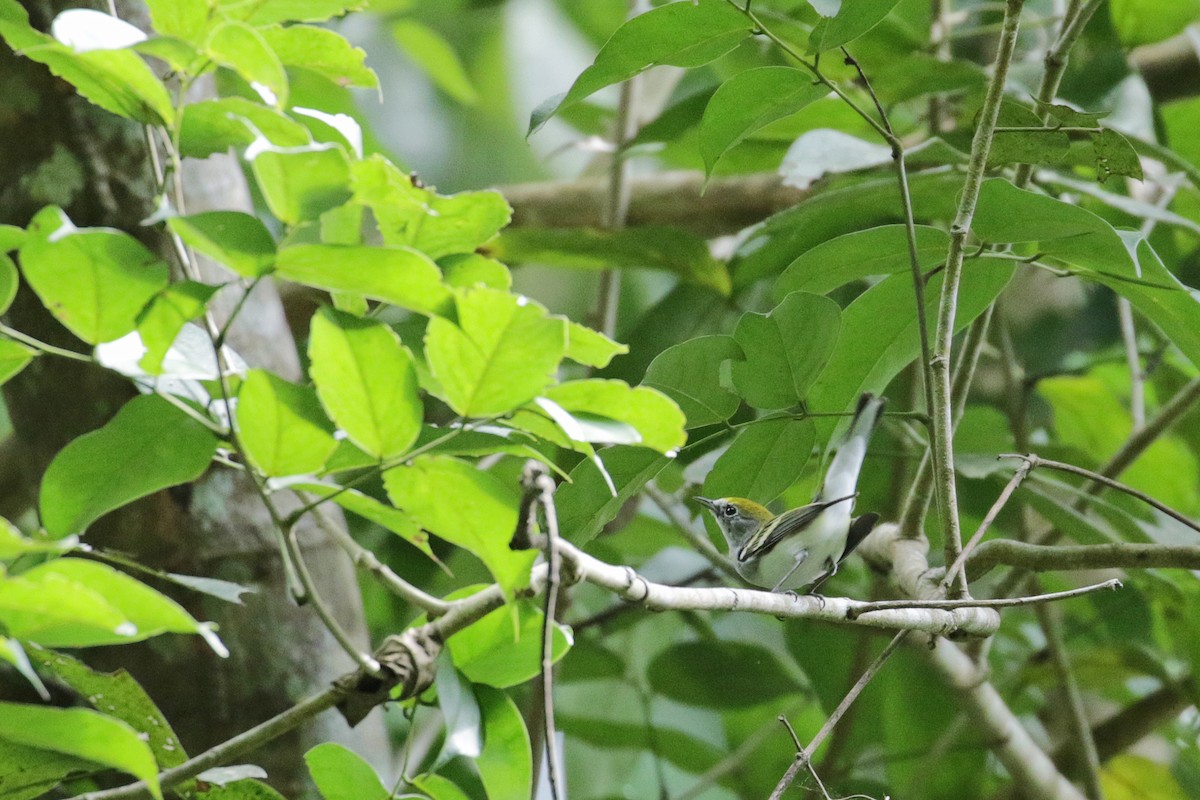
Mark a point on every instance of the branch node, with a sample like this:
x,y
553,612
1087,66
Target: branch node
x,y
405,660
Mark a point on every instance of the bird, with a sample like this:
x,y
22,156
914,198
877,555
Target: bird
x,y
803,546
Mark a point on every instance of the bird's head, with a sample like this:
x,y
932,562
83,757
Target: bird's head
x,y
737,517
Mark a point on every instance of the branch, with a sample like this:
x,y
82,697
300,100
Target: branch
x,y
1034,774
630,586
1102,480
1171,68
999,602
942,429
1066,558
1136,444
804,754
1031,769
1017,479
668,198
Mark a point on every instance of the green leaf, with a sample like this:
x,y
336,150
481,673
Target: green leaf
x,y
502,353
13,653
439,788
683,34
764,460
655,417
1173,307
1115,156
468,270
61,613
14,544
281,426
81,733
785,349
160,322
719,674
855,18
435,224
213,126
269,12
460,714
237,240
322,51
469,508
13,358
149,445
491,652
367,507
9,280
1007,214
436,59
879,335
116,80
301,183
1030,146
670,249
1140,22
506,763
690,374
342,774
182,19
587,503
93,280
366,381
28,772
751,100
590,347
777,242
146,612
398,275
882,250
245,51
119,695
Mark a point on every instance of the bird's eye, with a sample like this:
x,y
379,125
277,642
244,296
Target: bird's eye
x,y
730,511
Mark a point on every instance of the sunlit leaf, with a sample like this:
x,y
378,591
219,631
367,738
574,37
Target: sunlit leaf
x,y
480,517
281,426
81,733
94,280
366,381
500,355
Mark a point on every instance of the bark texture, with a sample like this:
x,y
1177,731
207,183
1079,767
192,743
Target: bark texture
x,y
61,150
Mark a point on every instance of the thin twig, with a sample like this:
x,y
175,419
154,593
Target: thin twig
x,y
942,430
671,508
365,559
1013,483
544,485
999,602
804,755
1037,461
616,210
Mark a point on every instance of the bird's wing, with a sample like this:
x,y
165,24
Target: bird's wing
x,y
788,524
859,528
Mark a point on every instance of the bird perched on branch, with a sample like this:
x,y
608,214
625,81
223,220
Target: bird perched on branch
x,y
804,545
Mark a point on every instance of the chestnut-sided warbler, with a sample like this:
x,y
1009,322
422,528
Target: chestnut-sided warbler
x,y
803,545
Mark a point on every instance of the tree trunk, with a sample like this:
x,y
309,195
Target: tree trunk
x,y
96,167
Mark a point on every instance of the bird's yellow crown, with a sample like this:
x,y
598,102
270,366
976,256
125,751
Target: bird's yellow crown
x,y
749,508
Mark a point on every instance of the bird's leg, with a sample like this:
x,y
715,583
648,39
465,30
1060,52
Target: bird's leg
x,y
800,559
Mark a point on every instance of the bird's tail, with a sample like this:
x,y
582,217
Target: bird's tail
x,y
842,476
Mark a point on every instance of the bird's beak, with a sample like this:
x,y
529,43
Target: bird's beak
x,y
711,505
